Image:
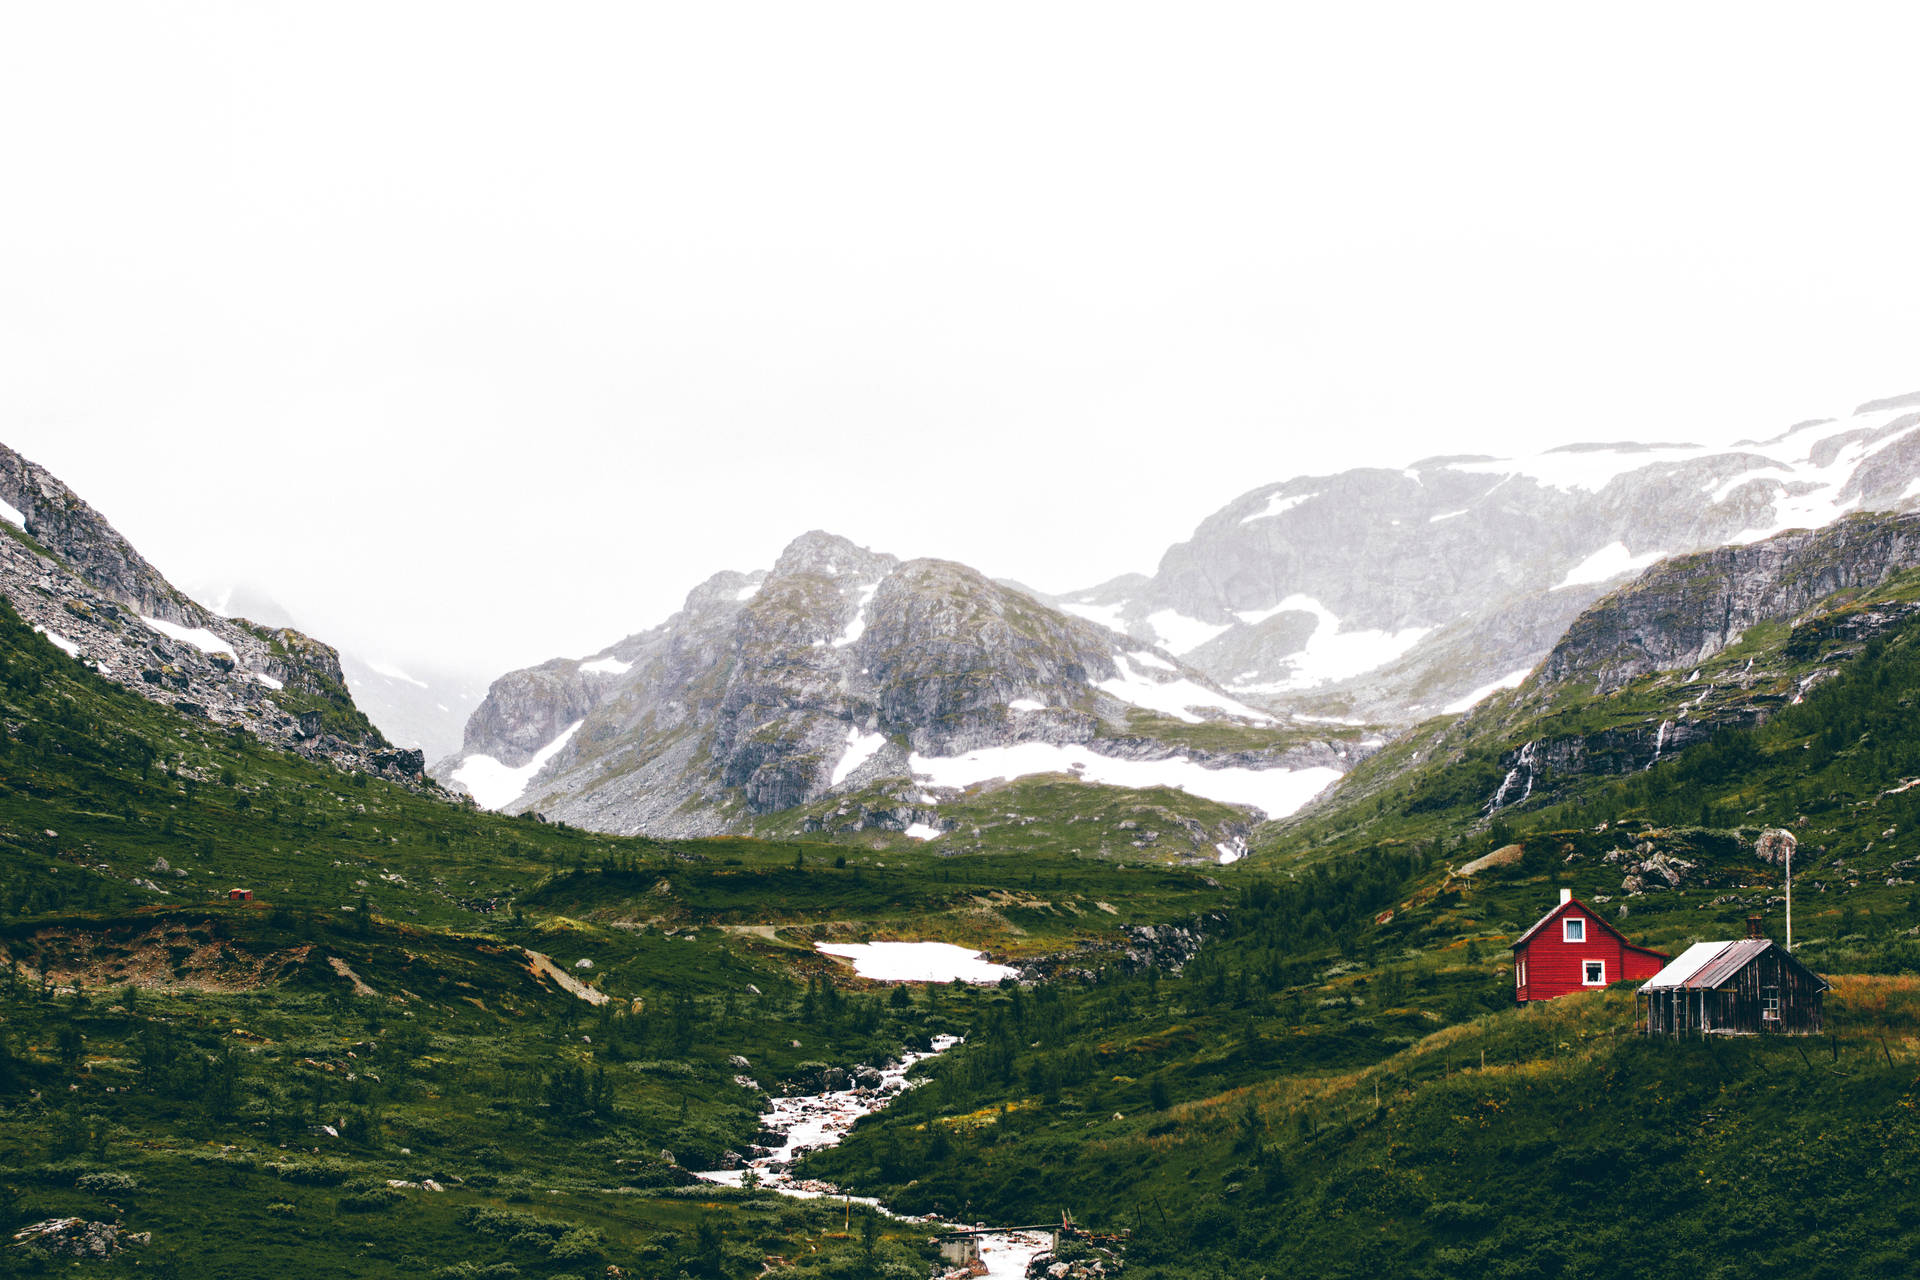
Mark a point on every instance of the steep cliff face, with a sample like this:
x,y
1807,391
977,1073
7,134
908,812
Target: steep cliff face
x,y
839,667
76,580
1686,610
1391,594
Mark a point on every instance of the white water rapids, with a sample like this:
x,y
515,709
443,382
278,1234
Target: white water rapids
x,y
811,1121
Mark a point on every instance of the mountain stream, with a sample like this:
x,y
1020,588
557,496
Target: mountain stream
x,y
809,1122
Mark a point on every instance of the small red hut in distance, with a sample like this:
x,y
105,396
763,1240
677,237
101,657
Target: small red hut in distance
x,y
1572,949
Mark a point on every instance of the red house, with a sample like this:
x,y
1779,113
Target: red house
x,y
1572,949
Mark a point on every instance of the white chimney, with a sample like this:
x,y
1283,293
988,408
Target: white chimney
x,y
1566,896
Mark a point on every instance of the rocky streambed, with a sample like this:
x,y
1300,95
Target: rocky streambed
x,y
792,1126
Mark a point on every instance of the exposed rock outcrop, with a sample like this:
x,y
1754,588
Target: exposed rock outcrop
x,y
71,576
1688,609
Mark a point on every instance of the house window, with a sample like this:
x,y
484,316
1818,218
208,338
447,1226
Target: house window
x,y
1573,929
1520,973
1593,973
1770,1004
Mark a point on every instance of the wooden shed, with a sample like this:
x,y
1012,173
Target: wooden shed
x,y
1750,987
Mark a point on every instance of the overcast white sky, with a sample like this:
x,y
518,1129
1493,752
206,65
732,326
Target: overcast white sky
x,y
480,333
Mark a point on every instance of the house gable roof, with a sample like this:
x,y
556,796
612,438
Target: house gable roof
x,y
1561,909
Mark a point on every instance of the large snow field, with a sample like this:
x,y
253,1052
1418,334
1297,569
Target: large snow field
x,y
12,514
494,785
1177,633
1277,792
1331,653
917,962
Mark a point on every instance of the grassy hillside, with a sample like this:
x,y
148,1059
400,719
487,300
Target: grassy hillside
x,y
1310,1096
1336,1084
245,1080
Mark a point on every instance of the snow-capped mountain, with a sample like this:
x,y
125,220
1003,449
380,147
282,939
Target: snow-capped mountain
x,y
840,667
1388,595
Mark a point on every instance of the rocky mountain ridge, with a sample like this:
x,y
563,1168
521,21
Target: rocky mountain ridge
x,y
1390,594
73,578
1723,639
839,667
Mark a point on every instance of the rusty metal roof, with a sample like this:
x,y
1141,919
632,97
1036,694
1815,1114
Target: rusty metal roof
x,y
1705,966
1689,963
1732,959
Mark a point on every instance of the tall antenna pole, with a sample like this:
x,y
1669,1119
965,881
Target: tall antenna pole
x,y
1790,899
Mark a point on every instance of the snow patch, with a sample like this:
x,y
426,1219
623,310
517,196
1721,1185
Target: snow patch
x,y
858,626
1589,469
199,637
921,831
263,678
1107,615
1609,561
1726,487
747,592
1820,505
1511,680
1277,792
1231,850
1331,654
1173,697
494,785
392,672
11,514
60,642
1276,505
607,666
860,749
917,962
1177,633
1446,515
1026,704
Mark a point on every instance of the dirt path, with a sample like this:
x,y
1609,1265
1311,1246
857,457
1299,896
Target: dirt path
x,y
345,970
543,966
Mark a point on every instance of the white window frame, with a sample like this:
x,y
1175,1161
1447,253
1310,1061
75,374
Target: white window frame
x,y
1520,972
1586,967
1571,926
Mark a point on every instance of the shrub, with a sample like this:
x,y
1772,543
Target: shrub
x,y
368,1196
107,1184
